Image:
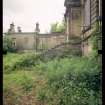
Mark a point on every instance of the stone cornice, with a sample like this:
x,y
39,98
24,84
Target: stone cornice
x,y
73,3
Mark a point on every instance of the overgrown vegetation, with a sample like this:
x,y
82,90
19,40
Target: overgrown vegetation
x,y
30,79
7,45
96,38
63,81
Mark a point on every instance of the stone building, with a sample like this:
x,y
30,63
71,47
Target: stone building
x,y
23,41
80,16
92,14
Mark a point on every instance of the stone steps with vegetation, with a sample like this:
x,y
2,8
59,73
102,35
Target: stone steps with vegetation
x,y
64,49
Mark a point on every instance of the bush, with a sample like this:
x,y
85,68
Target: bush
x,y
7,45
75,81
4,51
12,62
63,81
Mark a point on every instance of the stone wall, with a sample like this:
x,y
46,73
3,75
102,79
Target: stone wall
x,y
31,41
92,15
81,19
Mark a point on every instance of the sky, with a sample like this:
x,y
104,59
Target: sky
x,y
25,13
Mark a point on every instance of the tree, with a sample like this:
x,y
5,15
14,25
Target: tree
x,y
54,27
7,45
58,27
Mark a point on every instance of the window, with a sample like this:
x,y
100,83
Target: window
x,y
14,42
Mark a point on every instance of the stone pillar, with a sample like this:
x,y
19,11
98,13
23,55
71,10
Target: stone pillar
x,y
75,21
68,26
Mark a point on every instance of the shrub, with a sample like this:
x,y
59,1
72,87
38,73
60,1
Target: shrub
x,y
7,45
76,81
65,81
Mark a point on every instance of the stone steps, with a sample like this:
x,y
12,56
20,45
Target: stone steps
x,y
62,50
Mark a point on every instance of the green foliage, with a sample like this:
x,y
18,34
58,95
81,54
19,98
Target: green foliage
x,y
96,37
58,27
13,62
41,95
7,45
64,81
19,78
9,61
58,81
75,81
54,27
26,82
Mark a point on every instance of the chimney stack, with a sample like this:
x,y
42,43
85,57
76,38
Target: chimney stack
x,y
19,29
37,30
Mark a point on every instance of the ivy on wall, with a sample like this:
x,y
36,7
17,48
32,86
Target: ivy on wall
x,y
96,38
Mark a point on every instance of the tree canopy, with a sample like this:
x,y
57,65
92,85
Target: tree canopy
x,y
58,27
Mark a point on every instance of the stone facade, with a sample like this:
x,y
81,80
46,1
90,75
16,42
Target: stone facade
x,y
31,41
80,16
73,18
34,40
92,13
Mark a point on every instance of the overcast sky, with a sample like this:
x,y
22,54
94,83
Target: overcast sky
x,y
26,13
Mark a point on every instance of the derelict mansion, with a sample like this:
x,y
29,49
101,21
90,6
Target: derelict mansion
x,y
80,17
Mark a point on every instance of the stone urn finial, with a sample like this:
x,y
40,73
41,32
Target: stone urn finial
x,y
12,29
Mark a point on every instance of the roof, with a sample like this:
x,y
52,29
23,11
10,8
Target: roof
x,y
72,3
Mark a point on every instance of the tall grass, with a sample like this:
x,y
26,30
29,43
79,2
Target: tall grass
x,y
64,81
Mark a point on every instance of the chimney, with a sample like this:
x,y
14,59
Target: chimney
x,y
12,29
37,30
19,29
